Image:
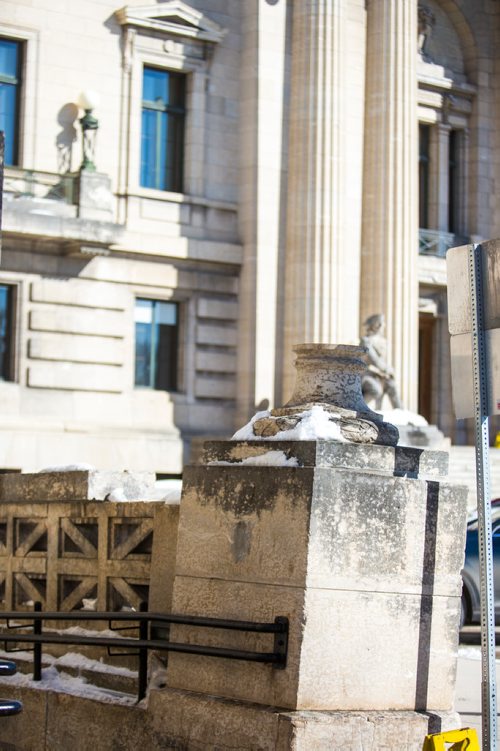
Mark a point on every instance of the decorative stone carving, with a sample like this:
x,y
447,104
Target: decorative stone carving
x,y
379,381
426,21
327,392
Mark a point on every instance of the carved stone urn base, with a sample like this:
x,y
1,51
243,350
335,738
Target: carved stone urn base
x,y
329,381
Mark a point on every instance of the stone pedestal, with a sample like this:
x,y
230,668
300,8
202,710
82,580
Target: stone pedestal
x,y
359,546
95,198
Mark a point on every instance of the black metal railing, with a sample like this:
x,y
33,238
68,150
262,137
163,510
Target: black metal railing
x,y
146,639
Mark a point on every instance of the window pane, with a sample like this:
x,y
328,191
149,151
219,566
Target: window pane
x,y
8,120
9,52
9,97
5,332
143,331
156,336
162,141
155,86
177,91
149,167
167,313
453,176
424,154
166,351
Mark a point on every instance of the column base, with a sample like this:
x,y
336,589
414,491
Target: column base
x,y
197,721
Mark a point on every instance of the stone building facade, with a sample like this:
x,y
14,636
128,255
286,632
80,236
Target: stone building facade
x,y
267,172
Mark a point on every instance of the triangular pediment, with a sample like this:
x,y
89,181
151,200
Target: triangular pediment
x,y
172,17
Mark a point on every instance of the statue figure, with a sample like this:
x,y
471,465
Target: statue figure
x,y
426,21
379,380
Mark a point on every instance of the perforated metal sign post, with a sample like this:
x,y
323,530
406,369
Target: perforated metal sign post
x,y
469,309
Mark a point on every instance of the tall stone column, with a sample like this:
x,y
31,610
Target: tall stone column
x,y
322,260
389,255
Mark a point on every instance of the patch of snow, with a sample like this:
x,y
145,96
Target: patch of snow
x,y
117,494
168,491
404,417
68,468
89,603
172,496
72,660
53,680
469,652
79,631
315,423
80,662
246,432
269,459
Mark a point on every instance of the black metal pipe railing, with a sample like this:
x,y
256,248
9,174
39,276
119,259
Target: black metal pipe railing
x,y
141,645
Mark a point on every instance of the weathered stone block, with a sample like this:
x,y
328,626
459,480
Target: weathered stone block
x,y
74,486
364,560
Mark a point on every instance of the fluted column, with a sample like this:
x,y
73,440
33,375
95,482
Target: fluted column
x,y
389,273
324,178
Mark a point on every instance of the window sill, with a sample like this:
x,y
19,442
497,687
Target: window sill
x,y
181,198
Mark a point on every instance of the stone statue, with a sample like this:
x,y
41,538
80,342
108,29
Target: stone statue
x,y
379,380
426,21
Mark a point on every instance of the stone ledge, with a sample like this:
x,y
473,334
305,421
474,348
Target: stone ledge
x,y
93,485
394,460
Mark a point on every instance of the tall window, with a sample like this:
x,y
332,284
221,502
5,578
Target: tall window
x,y
453,175
163,116
10,84
6,369
423,175
156,344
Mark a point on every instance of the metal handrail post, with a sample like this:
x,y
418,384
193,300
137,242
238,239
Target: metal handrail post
x,y
37,647
143,655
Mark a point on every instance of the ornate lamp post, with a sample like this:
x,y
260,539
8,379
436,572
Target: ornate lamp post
x,y
88,100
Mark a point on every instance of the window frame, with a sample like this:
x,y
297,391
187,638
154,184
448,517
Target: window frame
x,y
12,317
176,118
28,95
143,53
179,369
17,82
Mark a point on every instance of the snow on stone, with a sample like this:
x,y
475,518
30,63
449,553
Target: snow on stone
x,y
80,662
68,468
53,680
73,660
89,603
269,459
117,494
246,432
404,417
169,491
315,423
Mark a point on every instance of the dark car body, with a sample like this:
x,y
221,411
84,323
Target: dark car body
x,y
470,572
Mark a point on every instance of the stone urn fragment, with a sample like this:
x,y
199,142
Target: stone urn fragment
x,y
328,385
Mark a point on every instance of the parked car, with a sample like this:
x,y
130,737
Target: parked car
x,y
470,572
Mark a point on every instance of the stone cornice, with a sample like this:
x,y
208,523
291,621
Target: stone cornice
x,y
171,18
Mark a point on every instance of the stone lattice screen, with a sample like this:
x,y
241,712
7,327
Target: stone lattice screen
x,y
61,549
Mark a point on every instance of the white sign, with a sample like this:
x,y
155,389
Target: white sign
x,y
460,326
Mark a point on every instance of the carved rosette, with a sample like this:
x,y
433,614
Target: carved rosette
x,y
329,376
